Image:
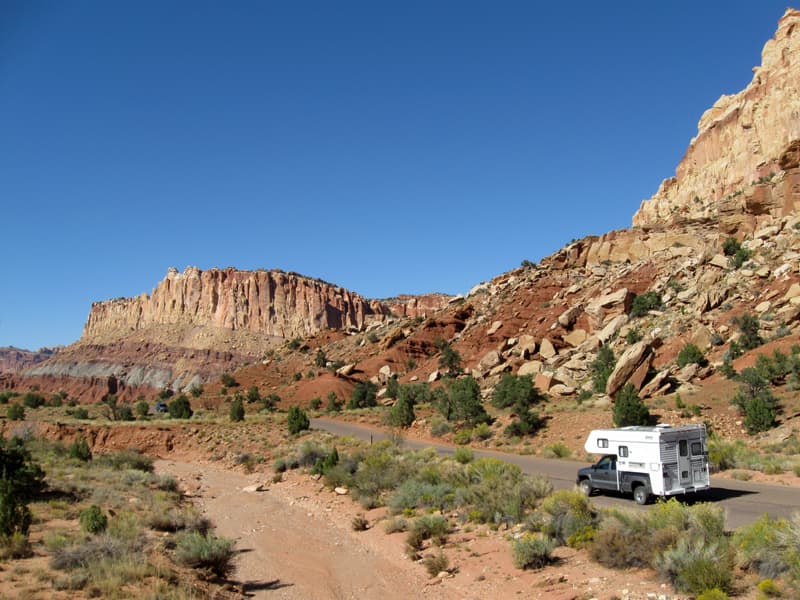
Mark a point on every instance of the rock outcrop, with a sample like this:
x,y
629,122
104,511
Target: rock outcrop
x,y
270,303
13,359
743,141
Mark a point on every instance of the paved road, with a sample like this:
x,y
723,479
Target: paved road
x,y
743,501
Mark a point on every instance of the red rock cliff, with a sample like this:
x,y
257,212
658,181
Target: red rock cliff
x,y
272,303
742,138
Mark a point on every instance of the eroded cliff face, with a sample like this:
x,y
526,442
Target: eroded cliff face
x,y
270,303
746,137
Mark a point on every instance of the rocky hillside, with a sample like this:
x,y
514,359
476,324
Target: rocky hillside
x,y
16,359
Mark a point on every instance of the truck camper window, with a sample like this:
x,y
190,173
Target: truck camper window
x,y
623,451
602,443
697,449
683,448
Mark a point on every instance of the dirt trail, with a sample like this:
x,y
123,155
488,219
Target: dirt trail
x,y
292,545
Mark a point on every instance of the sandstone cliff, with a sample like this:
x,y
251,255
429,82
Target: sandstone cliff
x,y
269,303
744,138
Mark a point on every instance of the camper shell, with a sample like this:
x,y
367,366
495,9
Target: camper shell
x,y
647,461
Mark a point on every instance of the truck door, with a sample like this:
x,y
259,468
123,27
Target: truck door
x,y
684,463
604,473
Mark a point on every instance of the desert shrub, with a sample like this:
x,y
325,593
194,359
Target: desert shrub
x,y
532,551
180,408
236,412
16,545
633,335
315,403
557,450
436,563
499,492
124,413
93,520
402,413
516,390
629,409
759,416
396,525
431,527
482,431
84,553
334,404
748,328
644,303
449,358
758,546
228,380
414,493
601,368
440,427
207,552
127,459
15,412
755,400
33,400
690,354
722,454
79,450
463,436
142,409
730,246
695,565
463,455
297,420
359,523
569,513
196,390
364,395
21,480
713,594
462,402
80,413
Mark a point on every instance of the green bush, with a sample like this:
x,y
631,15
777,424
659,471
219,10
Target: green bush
x,y
462,402
297,420
532,551
236,412
125,460
205,551
21,480
713,594
364,395
402,413
463,455
79,449
768,589
359,523
748,328
436,563
644,303
759,546
124,413
315,403
180,408
93,520
33,400
334,404
557,450
449,358
15,412
80,413
196,390
569,513
629,409
695,565
142,409
515,390
228,380
690,354
601,368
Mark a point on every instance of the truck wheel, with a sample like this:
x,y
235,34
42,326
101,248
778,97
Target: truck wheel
x,y
586,487
640,494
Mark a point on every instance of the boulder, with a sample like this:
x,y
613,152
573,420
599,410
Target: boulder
x,y
792,292
719,260
494,328
434,376
546,349
576,337
560,389
611,328
655,384
384,373
627,364
701,337
530,368
568,317
256,487
346,370
612,304
526,345
543,381
490,359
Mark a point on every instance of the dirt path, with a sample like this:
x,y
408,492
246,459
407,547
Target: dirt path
x,y
294,545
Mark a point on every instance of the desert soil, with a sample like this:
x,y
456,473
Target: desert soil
x,y
295,541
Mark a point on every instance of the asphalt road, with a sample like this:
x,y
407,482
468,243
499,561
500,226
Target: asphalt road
x,y
743,501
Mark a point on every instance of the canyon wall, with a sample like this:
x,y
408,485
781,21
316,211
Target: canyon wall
x,y
270,303
745,138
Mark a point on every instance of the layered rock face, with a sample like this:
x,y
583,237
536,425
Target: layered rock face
x,y
744,138
13,360
270,303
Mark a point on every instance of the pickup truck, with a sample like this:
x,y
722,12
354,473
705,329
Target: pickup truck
x,y
603,475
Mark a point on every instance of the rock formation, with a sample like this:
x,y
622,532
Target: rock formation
x,y
742,140
270,303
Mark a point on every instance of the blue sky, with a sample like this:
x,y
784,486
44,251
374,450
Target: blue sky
x,y
388,147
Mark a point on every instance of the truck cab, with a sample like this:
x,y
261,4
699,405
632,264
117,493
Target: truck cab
x,y
603,475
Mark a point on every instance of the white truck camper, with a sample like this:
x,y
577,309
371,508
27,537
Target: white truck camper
x,y
647,461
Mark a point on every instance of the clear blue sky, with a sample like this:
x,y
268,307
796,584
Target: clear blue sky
x,y
388,147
